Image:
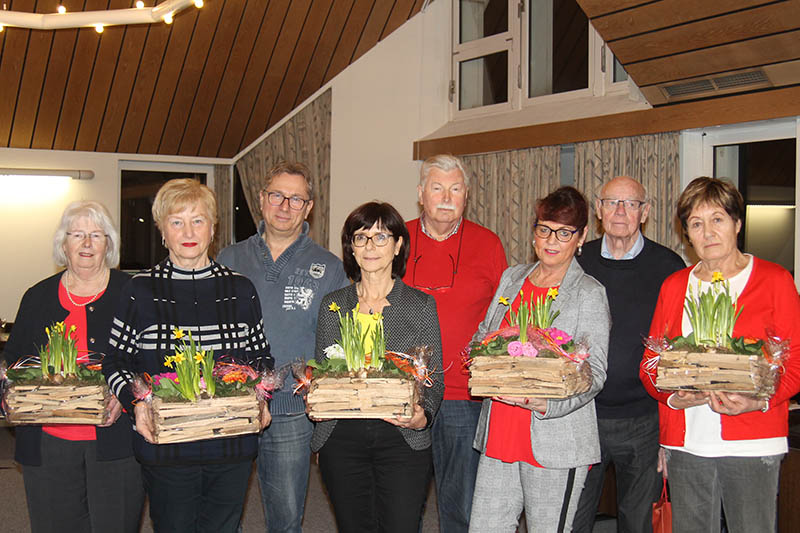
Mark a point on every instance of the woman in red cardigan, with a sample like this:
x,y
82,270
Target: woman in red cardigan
x,y
724,449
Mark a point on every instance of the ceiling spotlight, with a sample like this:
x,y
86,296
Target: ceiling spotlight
x,y
140,5
61,9
168,18
198,3
98,28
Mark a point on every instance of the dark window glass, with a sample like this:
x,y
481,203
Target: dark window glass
x,y
482,18
483,81
243,225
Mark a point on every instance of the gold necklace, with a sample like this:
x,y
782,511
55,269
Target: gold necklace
x,y
93,298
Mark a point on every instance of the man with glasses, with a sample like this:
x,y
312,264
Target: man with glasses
x,y
460,264
632,268
291,274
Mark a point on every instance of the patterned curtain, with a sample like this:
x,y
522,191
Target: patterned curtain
x,y
503,193
306,137
223,188
651,159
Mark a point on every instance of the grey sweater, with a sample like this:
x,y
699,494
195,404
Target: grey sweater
x,y
410,320
290,290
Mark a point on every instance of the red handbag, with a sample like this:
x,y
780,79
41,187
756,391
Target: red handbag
x,y
662,512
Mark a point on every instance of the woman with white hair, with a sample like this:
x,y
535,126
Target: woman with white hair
x,y
78,477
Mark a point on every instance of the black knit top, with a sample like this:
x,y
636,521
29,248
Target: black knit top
x,y
632,287
221,310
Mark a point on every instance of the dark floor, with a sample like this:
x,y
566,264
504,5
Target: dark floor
x,y
318,516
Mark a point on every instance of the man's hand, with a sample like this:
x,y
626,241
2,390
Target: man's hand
x,y
417,420
662,463
144,421
264,416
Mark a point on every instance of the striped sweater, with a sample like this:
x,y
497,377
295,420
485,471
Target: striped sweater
x,y
221,310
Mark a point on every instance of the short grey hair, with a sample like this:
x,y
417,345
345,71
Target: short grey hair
x,y
98,214
445,163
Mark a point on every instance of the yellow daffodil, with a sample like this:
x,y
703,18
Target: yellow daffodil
x,y
717,277
177,333
334,307
199,357
168,361
72,328
47,330
377,316
552,292
178,358
503,300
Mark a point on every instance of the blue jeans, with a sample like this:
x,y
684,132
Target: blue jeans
x,y
284,459
745,487
632,445
455,462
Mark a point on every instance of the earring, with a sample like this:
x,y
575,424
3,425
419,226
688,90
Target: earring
x,y
163,242
580,250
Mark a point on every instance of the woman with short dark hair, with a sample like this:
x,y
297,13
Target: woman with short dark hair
x,y
536,452
724,449
377,471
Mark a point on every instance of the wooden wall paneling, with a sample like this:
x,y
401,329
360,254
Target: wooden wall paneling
x,y
755,52
301,59
777,103
657,15
349,40
276,72
30,87
401,12
15,43
210,21
248,92
326,46
100,84
55,83
373,29
152,57
168,78
119,97
417,7
80,74
221,80
739,26
597,8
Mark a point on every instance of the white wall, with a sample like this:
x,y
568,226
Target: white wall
x,y
30,209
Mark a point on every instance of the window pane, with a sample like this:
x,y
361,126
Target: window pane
x,y
243,225
483,81
558,47
619,71
482,18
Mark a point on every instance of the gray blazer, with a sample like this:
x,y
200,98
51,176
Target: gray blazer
x,y
565,436
409,321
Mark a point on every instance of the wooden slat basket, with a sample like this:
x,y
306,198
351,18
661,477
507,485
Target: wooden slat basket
x,y
353,397
204,419
56,404
541,377
728,372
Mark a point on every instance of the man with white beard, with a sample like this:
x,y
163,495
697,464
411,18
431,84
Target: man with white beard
x,y
460,264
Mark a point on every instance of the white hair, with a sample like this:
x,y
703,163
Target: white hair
x,y
98,214
444,162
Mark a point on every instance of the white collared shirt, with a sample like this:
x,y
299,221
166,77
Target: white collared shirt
x,y
635,250
425,230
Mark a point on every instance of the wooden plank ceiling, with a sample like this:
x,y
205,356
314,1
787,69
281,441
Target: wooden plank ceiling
x,y
207,85
677,50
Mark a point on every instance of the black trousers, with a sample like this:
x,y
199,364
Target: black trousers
x,y
197,498
73,491
375,481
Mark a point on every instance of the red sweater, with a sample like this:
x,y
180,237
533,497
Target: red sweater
x,y
461,299
769,301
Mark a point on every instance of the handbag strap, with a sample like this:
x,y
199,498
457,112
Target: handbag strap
x,y
664,493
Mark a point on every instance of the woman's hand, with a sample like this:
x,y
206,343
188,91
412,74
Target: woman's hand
x,y
144,421
113,410
264,416
731,403
683,399
662,463
418,420
533,404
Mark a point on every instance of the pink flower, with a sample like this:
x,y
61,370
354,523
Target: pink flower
x,y
515,348
559,336
172,376
529,351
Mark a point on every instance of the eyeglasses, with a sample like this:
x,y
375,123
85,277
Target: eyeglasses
x,y
80,236
379,239
562,234
613,203
295,202
452,271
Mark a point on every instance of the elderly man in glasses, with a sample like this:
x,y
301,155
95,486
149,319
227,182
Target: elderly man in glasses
x,y
460,264
632,268
291,274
